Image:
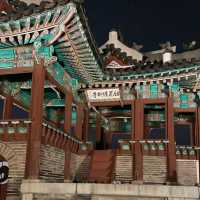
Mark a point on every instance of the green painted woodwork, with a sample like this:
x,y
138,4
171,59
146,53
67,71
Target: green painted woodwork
x,y
7,54
154,90
56,103
74,117
184,101
175,87
5,65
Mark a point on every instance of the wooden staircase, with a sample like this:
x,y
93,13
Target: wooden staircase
x,y
101,167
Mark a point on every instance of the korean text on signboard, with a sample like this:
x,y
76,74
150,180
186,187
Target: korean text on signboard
x,y
103,95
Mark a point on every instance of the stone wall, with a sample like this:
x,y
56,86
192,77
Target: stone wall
x,y
154,169
124,168
73,191
187,172
52,162
15,154
79,167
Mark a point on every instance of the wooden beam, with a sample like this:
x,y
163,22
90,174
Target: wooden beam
x,y
57,84
16,70
35,135
8,105
68,112
171,149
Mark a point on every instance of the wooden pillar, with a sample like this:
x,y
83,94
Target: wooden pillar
x,y
197,127
7,114
171,150
67,129
98,128
68,112
79,123
67,164
35,134
86,125
137,135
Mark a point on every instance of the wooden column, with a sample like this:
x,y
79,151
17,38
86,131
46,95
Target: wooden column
x,y
98,128
68,112
86,124
171,150
67,129
137,135
79,123
197,127
7,114
67,164
35,134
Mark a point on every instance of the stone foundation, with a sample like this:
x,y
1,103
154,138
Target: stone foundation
x,y
52,162
124,168
79,167
71,191
187,172
154,169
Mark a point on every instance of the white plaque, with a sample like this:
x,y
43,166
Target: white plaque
x,y
103,95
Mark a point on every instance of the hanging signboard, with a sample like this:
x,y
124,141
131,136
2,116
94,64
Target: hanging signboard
x,y
100,95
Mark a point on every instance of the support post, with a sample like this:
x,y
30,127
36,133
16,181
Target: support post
x,y
86,124
171,150
8,108
79,123
197,127
67,129
137,135
35,134
98,128
68,112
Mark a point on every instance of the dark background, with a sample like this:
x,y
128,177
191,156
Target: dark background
x,y
147,22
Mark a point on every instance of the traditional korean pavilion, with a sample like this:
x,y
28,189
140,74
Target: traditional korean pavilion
x,y
70,111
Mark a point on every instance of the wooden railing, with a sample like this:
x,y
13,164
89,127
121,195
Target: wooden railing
x,y
14,130
149,147
187,152
58,138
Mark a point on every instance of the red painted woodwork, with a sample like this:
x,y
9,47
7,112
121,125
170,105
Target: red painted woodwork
x,y
137,134
101,166
3,191
8,108
197,127
79,123
68,112
171,150
5,6
85,125
67,165
98,128
35,135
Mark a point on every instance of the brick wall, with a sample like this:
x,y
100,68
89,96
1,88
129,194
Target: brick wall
x,y
124,168
15,154
187,172
79,167
52,162
154,169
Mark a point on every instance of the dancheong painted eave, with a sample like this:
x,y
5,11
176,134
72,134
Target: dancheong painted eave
x,y
65,28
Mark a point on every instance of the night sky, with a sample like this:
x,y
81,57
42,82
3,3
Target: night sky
x,y
147,22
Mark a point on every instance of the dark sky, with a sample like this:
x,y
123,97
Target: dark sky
x,y
146,22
